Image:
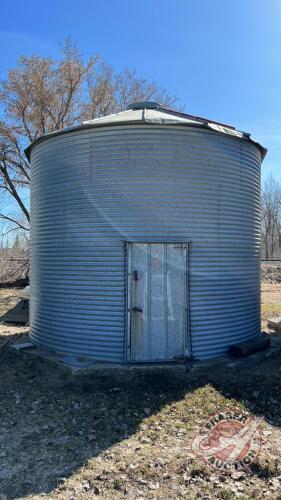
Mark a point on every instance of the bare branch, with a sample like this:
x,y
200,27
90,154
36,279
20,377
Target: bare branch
x,y
14,192
271,216
14,221
43,94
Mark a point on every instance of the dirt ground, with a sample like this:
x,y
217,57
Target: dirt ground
x,y
270,302
128,435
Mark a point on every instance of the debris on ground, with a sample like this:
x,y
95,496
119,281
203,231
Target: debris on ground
x,y
271,272
129,434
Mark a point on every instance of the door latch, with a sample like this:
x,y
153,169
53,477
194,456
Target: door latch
x,y
137,309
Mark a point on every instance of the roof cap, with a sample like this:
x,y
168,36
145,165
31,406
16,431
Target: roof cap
x,y
153,113
143,105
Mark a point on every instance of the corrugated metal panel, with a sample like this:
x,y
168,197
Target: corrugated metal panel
x,y
94,188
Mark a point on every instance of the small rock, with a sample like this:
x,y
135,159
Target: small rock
x,y
86,485
166,475
237,475
145,440
240,488
154,486
267,433
275,482
96,490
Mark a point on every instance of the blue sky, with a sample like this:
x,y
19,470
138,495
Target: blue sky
x,y
221,57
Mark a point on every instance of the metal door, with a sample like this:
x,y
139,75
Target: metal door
x,y
157,301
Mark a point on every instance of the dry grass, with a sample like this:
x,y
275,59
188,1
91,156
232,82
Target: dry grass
x,y
8,298
274,309
270,302
128,435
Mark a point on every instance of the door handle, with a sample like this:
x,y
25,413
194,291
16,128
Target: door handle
x,y
135,276
137,309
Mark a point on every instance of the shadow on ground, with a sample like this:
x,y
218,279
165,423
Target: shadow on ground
x,y
52,423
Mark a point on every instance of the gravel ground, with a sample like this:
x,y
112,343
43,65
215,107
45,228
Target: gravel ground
x,y
129,435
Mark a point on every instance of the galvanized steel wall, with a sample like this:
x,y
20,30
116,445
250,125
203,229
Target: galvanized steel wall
x,y
94,188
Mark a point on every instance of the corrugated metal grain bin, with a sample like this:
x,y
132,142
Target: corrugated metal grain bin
x,y
145,237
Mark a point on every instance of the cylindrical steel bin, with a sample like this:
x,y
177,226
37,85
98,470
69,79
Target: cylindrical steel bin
x,y
145,176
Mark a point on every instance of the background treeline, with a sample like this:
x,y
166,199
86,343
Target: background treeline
x,y
14,261
271,218
43,94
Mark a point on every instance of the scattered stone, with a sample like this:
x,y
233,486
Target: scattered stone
x,y
142,481
238,475
153,486
145,440
166,475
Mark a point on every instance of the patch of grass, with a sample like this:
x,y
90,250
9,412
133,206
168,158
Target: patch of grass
x,y
8,299
226,494
147,471
129,433
271,308
118,484
199,468
266,467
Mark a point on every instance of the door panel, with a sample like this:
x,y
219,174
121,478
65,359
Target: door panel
x,y
139,287
176,299
158,313
157,279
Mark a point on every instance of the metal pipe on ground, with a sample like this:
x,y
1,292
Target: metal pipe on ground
x,y
250,346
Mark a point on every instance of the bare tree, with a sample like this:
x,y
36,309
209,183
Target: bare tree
x,y
271,217
43,94
14,261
